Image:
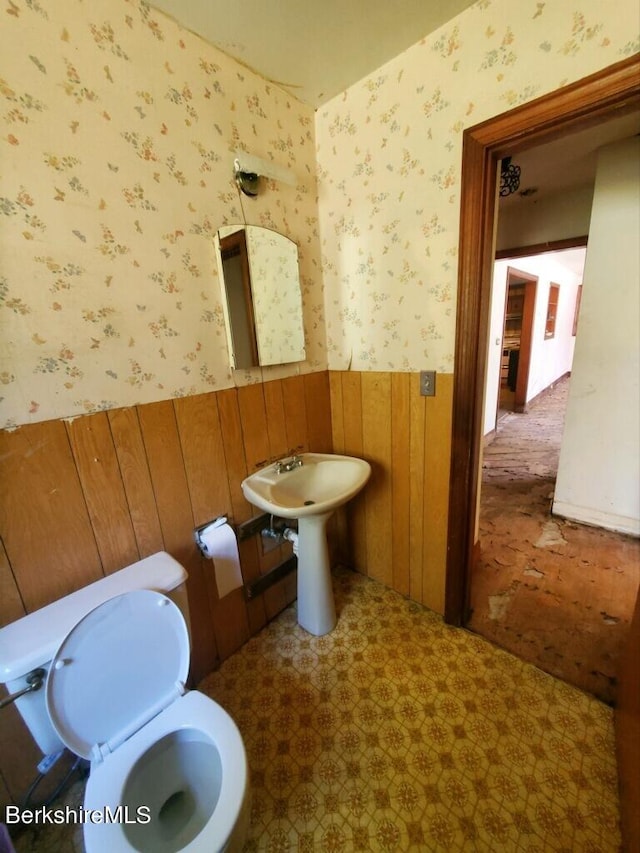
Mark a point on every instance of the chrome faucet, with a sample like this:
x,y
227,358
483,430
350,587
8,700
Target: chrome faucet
x,y
288,465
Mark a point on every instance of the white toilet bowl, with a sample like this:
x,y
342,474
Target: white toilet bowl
x,y
168,767
179,781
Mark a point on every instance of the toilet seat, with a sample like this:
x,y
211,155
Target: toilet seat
x,y
115,688
107,780
118,667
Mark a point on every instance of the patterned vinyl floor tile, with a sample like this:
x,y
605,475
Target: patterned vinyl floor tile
x,y
396,732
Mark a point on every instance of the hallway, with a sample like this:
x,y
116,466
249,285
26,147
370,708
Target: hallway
x,y
556,593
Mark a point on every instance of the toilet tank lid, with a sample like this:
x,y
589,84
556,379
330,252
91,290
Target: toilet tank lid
x,y
33,640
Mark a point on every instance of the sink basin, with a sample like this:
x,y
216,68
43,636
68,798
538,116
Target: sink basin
x,y
322,483
309,492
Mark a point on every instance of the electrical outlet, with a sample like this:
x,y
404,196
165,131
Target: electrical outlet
x,y
428,383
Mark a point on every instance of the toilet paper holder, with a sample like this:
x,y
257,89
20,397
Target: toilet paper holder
x,y
197,533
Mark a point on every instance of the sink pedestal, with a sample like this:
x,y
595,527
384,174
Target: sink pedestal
x,y
316,609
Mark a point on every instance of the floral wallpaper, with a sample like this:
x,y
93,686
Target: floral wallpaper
x,y
117,133
389,157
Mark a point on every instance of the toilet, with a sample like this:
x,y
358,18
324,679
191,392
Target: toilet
x,y
168,767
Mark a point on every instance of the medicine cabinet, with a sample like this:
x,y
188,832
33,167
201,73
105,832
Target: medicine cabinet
x,y
262,296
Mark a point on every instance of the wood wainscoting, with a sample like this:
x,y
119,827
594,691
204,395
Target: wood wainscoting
x,y
627,724
85,497
396,530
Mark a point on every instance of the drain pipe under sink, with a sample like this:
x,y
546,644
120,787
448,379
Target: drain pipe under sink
x,y
291,536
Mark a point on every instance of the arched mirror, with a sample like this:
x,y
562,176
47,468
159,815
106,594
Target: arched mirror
x,y
263,301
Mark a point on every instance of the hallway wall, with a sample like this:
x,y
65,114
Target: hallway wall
x,y
550,358
550,218
599,468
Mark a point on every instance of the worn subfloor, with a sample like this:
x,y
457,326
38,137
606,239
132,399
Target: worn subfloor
x,y
553,592
396,732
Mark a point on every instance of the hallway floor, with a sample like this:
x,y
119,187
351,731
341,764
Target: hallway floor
x,y
555,593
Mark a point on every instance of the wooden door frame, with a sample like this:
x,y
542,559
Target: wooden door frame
x,y
529,283
601,96
526,337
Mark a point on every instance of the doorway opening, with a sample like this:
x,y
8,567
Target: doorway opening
x,y
516,341
609,93
549,591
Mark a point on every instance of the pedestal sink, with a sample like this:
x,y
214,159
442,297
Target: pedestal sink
x,y
309,487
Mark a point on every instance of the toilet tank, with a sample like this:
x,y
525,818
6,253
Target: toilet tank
x,y
32,641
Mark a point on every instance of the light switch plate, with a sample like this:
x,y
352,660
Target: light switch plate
x,y
428,383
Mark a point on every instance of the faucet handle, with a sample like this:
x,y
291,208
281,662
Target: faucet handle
x,y
284,465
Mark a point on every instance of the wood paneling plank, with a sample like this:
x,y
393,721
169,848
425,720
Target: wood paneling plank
x,y
352,412
5,797
318,405
103,490
203,455
231,623
416,488
276,424
400,479
337,531
44,522
250,571
11,606
437,462
166,465
19,752
295,414
376,443
355,510
254,426
208,482
236,464
136,478
275,597
337,414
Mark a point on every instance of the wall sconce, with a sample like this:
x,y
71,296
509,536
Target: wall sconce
x,y
247,181
509,177
247,171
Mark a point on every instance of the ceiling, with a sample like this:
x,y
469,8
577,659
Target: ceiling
x,y
568,162
314,50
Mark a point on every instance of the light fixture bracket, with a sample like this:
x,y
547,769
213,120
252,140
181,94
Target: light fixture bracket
x,y
509,177
248,169
248,182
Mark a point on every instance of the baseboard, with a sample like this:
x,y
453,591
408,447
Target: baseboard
x,y
597,518
489,437
546,390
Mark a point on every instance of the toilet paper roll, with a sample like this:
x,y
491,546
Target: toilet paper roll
x,y
218,543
